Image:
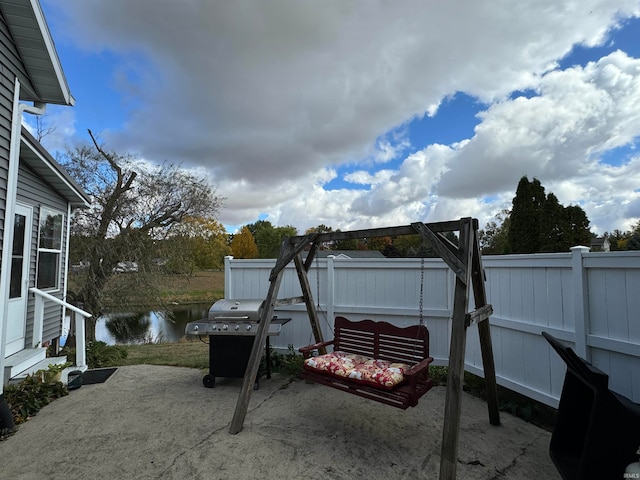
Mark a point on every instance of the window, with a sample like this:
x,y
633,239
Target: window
x,y
17,256
49,248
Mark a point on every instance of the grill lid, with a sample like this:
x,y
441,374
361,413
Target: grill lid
x,y
228,309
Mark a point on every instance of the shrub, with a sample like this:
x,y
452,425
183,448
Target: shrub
x,y
29,396
99,354
289,364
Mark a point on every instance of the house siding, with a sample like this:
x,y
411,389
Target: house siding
x,y
8,58
6,109
11,59
33,191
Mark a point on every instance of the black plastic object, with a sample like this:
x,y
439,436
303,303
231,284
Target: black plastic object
x,y
6,417
597,431
229,356
74,380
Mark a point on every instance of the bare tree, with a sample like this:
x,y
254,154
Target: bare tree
x,y
134,204
43,128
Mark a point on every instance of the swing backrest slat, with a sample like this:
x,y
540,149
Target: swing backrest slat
x,y
382,340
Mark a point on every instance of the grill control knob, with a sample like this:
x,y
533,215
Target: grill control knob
x,y
195,328
248,327
237,327
225,327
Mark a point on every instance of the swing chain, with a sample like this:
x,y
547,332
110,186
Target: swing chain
x,y
318,307
421,303
317,281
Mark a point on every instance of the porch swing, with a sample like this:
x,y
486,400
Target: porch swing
x,y
377,339
374,360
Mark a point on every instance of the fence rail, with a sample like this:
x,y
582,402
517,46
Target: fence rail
x,y
590,300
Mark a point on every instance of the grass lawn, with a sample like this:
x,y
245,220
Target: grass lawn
x,y
186,353
201,286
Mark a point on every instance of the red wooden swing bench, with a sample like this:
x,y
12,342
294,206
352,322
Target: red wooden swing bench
x,y
375,360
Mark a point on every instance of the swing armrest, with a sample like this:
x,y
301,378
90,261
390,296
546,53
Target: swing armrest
x,y
419,368
306,351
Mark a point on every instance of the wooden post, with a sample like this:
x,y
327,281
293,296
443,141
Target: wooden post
x,y
465,262
450,258
455,375
308,300
256,351
484,331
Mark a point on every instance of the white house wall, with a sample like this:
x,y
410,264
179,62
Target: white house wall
x,y
529,293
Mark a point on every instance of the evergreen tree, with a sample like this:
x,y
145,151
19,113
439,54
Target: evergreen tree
x,y
494,237
576,228
633,243
551,226
526,217
539,223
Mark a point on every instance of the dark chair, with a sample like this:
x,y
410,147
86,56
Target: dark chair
x,y
597,431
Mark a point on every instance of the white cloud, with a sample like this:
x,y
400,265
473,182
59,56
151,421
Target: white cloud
x,y
56,127
361,177
271,97
557,137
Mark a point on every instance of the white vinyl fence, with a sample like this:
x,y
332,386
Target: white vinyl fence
x,y
590,300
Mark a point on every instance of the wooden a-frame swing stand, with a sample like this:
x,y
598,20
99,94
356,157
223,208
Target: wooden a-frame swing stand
x,y
463,259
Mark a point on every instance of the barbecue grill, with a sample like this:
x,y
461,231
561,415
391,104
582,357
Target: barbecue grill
x,y
232,326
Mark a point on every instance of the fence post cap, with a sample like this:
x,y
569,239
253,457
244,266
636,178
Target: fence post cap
x,y
579,248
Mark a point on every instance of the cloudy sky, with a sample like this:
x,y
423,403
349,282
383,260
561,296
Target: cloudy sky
x,y
357,114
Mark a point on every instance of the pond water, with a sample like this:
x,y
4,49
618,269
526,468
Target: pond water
x,y
148,326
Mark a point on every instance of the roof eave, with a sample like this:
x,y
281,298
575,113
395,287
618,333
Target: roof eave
x,y
53,54
31,14
38,159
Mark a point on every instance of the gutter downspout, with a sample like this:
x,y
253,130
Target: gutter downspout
x,y
66,265
38,108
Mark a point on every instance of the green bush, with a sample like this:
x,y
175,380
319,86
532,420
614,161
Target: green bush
x,y
99,354
29,396
289,364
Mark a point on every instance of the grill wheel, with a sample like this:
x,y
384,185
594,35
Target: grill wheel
x,y
209,381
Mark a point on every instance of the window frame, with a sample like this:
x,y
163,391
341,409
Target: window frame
x,y
46,212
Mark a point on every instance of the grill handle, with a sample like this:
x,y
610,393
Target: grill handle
x,y
245,317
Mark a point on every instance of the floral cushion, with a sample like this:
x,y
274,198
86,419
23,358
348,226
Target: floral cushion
x,y
368,371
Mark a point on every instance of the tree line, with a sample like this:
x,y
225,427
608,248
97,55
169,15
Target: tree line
x,y
538,223
263,240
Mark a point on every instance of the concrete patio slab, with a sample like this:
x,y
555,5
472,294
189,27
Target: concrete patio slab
x,y
154,422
